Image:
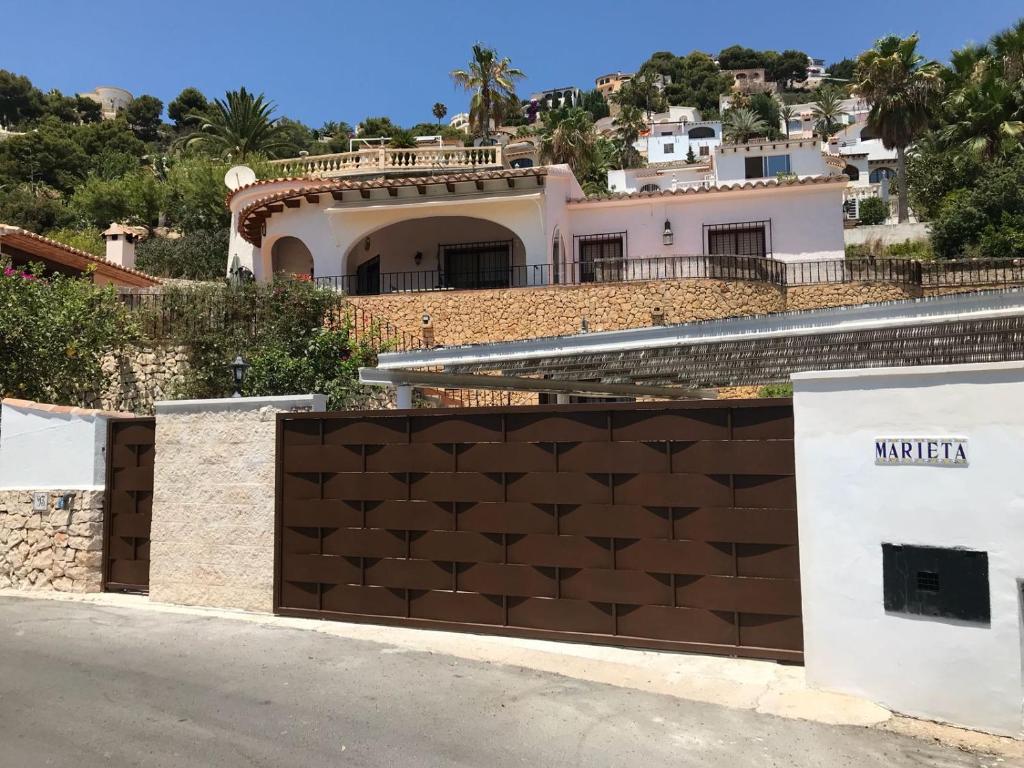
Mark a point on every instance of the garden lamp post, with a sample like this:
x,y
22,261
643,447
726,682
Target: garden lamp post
x,y
238,369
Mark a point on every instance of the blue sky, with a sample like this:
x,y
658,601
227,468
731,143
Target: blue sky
x,y
343,61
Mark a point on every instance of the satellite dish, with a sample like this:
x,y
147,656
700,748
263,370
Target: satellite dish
x,y
239,176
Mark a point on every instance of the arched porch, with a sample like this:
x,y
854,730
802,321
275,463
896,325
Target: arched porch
x,y
290,256
438,253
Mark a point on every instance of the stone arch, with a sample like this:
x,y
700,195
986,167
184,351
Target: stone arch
x,y
290,256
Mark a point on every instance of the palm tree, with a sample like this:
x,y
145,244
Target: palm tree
x,y
900,85
241,125
493,82
629,123
984,114
572,141
787,113
439,110
741,125
983,120
827,111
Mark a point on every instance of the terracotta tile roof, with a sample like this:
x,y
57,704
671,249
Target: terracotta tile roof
x,y
313,187
32,405
735,187
129,276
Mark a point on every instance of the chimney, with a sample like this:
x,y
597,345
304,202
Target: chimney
x,y
121,245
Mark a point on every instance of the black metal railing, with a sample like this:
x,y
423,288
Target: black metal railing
x,y
908,272
164,317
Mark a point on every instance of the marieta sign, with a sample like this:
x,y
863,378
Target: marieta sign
x,y
929,451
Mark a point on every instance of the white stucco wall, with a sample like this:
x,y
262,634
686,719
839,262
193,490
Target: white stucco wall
x,y
964,673
51,449
803,160
397,244
806,221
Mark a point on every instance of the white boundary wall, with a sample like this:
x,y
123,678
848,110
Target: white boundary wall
x,y
959,672
52,447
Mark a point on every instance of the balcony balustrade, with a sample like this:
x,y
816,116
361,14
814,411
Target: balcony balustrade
x,y
387,159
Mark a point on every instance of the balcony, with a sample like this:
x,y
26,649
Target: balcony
x,y
389,160
958,273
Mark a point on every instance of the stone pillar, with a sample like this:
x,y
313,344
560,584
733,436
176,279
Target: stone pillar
x,y
212,536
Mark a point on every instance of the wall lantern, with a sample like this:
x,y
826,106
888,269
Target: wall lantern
x,y
238,369
418,257
666,235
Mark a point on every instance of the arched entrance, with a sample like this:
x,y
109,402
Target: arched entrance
x,y
290,256
436,253
852,172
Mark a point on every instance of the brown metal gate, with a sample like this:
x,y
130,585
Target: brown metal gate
x,y
662,525
128,511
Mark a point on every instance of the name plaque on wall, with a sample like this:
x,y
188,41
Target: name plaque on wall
x,y
926,451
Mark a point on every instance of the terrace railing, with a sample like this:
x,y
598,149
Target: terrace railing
x,y
163,317
384,159
908,272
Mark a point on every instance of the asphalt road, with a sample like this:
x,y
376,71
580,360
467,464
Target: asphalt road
x,y
87,685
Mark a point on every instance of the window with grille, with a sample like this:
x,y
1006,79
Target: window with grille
x,y
601,257
477,265
741,239
650,188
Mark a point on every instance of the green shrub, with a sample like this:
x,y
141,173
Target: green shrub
x,y
776,390
297,339
88,240
54,332
911,249
873,210
200,255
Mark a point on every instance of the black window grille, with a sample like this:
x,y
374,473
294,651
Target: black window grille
x,y
601,257
744,238
477,265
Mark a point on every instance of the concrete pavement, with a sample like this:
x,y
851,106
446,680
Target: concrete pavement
x,y
85,684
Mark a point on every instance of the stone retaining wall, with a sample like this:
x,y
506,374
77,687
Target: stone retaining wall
x,y
138,377
59,549
465,317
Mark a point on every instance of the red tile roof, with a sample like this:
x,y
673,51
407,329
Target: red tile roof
x,y
73,257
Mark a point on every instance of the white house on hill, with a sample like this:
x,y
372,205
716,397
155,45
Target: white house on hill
x,y
387,220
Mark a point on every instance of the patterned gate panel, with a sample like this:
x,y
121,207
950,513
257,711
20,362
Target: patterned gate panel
x,y
654,525
130,453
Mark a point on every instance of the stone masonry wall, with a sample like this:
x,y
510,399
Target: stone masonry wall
x,y
212,537
59,549
137,377
464,317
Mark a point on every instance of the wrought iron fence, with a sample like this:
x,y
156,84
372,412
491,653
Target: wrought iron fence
x,y
909,272
165,316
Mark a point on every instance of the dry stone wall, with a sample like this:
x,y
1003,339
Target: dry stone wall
x,y
466,317
138,377
55,549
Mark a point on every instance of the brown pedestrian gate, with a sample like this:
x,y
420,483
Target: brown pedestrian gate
x,y
659,525
128,511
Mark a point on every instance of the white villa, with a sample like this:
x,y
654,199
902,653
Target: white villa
x,y
867,163
384,220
